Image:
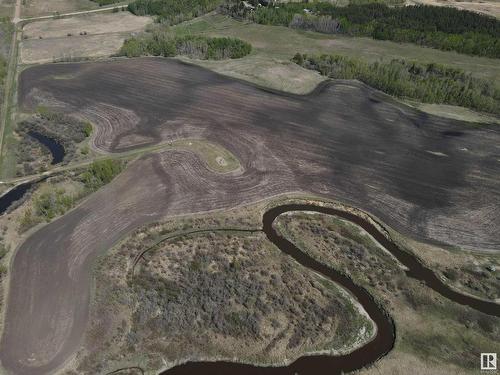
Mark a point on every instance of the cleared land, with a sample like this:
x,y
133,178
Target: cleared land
x,y
436,179
490,7
267,72
6,7
33,8
273,46
432,178
88,36
454,112
283,42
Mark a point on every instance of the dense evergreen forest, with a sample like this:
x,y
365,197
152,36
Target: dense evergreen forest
x,y
161,42
173,11
428,83
439,27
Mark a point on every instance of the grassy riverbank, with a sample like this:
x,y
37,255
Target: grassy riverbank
x,y
433,332
267,319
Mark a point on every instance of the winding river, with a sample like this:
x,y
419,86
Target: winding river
x,y
385,337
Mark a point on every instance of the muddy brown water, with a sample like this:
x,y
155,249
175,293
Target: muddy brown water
x,y
385,337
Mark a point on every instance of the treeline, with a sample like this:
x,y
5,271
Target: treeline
x,y
439,27
429,83
173,11
100,173
163,43
57,201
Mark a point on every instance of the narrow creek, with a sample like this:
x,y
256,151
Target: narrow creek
x,y
385,337
55,148
13,195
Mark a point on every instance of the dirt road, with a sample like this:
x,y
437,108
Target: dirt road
x,y
70,14
433,179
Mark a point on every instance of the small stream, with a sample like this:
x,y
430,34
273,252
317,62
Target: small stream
x,y
13,195
55,148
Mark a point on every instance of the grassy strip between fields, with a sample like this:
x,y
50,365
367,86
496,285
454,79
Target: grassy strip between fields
x,y
438,27
270,64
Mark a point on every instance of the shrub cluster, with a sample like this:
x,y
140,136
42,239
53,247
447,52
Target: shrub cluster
x,y
430,83
438,27
233,293
101,172
162,43
53,203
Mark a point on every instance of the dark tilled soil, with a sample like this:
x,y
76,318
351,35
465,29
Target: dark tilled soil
x,y
434,179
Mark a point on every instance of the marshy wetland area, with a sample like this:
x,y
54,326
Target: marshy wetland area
x,y
211,190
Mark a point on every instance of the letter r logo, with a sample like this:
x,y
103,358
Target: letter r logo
x,y
488,361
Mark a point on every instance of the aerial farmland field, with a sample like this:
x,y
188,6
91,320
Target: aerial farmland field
x,y
168,210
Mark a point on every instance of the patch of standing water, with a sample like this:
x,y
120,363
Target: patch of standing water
x,y
55,148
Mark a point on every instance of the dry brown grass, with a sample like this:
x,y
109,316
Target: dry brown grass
x,y
433,335
62,39
266,71
33,8
489,7
225,258
472,272
398,363
6,7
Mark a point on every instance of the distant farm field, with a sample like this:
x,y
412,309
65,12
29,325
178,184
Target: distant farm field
x,y
6,7
93,35
33,8
342,133
431,178
282,43
489,7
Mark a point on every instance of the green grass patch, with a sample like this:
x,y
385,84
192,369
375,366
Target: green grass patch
x,y
53,203
282,42
444,28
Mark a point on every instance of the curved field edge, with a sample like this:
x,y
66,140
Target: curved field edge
x,y
172,162
149,237
16,230
153,238
253,356
219,114
217,159
274,46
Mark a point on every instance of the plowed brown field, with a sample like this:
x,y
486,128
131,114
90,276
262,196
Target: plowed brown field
x,y
434,179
